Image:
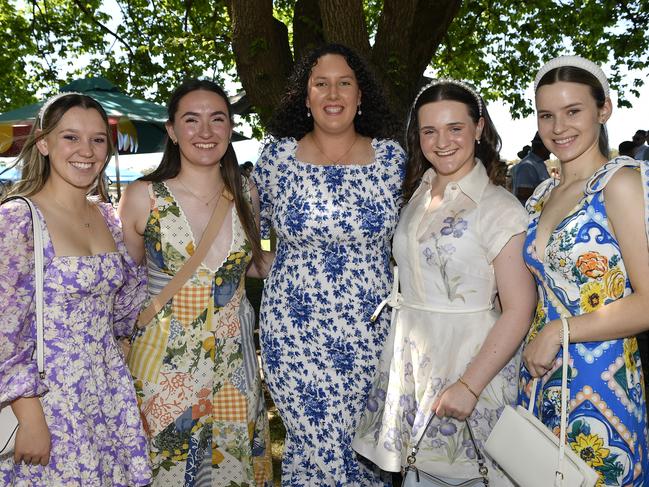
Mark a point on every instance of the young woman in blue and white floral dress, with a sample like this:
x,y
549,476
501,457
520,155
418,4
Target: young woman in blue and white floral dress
x,y
466,298
330,185
587,248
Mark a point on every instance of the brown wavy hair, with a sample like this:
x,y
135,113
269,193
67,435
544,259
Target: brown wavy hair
x,y
170,165
488,150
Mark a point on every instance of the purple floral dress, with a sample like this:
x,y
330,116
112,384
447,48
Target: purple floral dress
x,y
87,394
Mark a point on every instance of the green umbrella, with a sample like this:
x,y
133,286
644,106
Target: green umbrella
x,y
140,123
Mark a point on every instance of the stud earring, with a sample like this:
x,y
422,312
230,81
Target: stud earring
x,y
174,141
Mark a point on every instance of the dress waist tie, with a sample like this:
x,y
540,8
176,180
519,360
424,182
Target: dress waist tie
x,y
395,301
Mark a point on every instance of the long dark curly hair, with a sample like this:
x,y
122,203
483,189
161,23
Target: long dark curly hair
x,y
488,150
170,165
290,118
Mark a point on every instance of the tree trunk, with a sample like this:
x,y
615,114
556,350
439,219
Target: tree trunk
x,y
307,27
408,34
262,53
343,22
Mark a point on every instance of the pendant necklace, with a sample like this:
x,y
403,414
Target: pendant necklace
x,y
206,203
336,161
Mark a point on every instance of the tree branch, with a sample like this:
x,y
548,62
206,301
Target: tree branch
x,y
262,53
101,26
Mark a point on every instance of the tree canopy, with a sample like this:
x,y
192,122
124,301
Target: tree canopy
x,y
148,46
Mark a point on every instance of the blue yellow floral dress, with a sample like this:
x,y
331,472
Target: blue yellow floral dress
x,y
583,267
441,318
319,348
195,366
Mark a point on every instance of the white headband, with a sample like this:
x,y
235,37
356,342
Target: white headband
x,y
449,81
576,62
46,106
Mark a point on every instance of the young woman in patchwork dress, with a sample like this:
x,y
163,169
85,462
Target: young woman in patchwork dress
x,y
466,298
194,364
587,248
79,425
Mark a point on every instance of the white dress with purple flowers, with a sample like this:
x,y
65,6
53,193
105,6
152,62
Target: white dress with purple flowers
x,y
440,321
87,394
319,348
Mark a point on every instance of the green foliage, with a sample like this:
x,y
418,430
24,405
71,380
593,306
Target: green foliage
x,y
499,44
153,45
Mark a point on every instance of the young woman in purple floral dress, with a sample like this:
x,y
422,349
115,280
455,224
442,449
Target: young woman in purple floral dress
x,y
80,424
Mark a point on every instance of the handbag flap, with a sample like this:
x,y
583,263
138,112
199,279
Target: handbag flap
x,y
528,451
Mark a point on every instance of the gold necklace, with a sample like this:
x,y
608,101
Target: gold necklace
x,y
333,161
206,203
87,223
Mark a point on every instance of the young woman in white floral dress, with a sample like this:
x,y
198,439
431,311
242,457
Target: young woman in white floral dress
x,y
466,298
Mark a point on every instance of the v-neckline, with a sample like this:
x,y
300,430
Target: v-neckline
x,y
185,220
541,256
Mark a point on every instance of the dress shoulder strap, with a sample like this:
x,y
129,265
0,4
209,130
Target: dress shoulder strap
x,y
603,175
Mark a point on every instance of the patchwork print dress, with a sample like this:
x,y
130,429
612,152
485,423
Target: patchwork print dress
x,y
194,364
583,267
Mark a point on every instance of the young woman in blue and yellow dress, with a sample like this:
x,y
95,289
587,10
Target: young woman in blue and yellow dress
x,y
587,248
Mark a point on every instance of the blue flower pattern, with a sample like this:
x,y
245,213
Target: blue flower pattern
x,y
332,268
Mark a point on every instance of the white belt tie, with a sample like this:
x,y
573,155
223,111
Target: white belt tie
x,y
395,300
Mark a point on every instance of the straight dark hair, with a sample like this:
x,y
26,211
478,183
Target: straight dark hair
x,y
488,150
170,165
573,74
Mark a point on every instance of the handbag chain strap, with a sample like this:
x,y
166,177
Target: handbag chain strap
x,y
565,392
482,466
38,271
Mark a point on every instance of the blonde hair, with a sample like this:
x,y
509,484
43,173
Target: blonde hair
x,y
36,166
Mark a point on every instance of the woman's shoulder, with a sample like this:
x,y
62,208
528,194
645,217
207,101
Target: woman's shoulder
x,y
388,148
14,211
275,148
498,199
617,174
15,220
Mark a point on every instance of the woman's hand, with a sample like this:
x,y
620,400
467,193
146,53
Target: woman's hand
x,y
33,436
539,354
455,402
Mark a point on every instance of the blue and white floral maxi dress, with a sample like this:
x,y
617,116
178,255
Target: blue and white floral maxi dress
x,y
319,348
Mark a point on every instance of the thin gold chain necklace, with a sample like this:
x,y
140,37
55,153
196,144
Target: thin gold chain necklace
x,y
88,206
206,203
333,161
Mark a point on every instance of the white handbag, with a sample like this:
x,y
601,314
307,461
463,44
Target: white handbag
x,y
8,420
529,452
418,478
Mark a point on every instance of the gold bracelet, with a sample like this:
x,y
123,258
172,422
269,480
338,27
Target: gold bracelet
x,y
461,381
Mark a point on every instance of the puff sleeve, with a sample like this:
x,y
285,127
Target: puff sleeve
x,y
501,217
18,369
131,295
263,176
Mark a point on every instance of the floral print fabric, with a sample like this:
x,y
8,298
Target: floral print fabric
x,y
583,266
87,394
194,364
440,320
319,347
